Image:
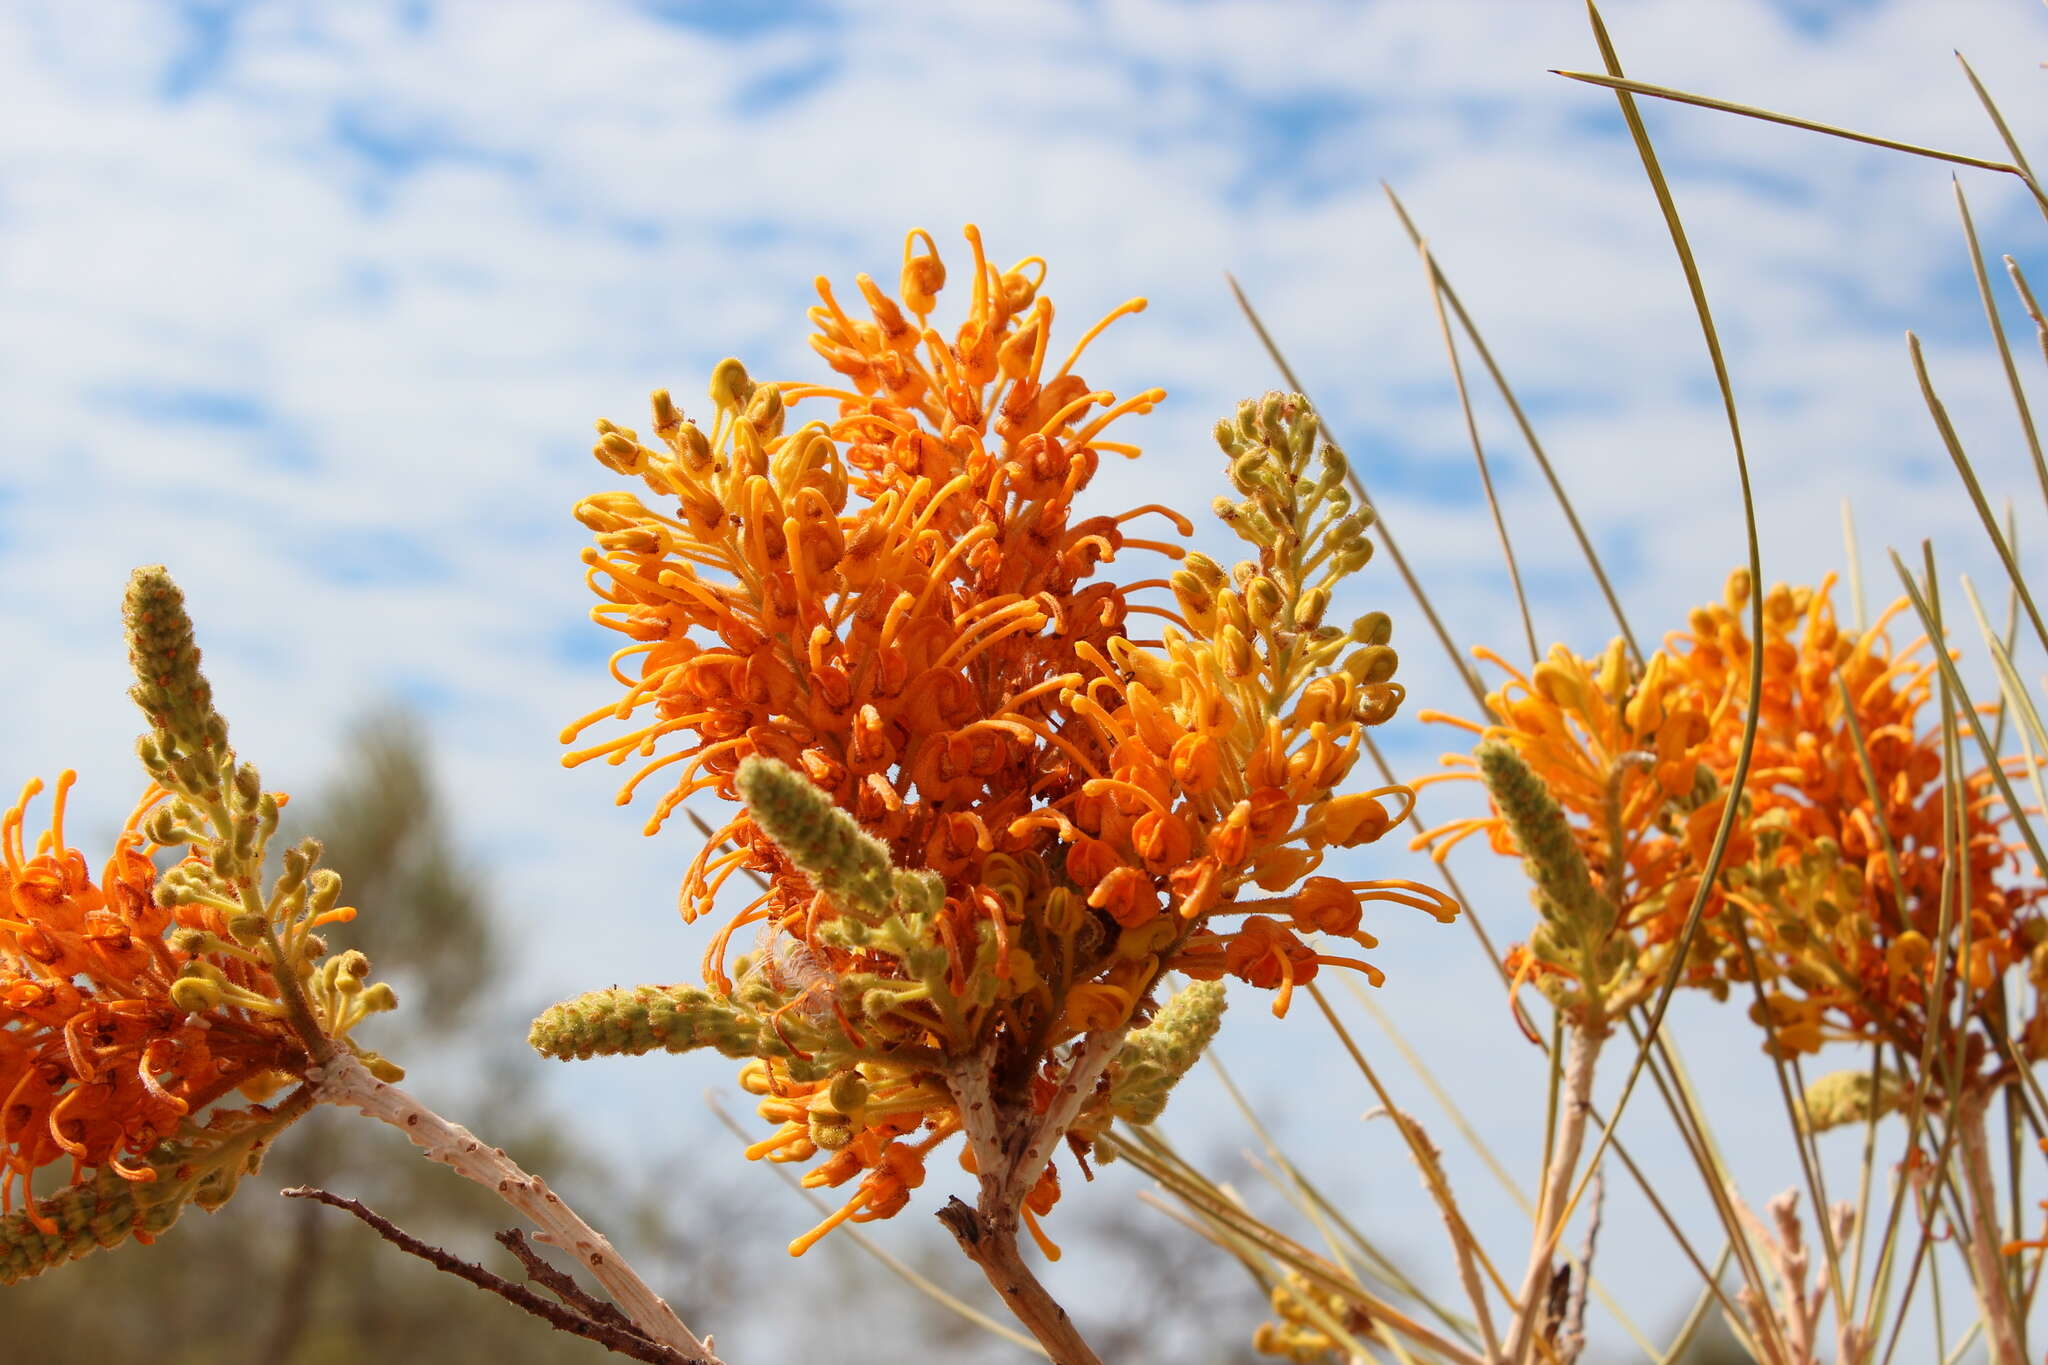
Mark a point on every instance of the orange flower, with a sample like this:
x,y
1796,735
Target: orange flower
x,y
1640,760
100,1058
900,603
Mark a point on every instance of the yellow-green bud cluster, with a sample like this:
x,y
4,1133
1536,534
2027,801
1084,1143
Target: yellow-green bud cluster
x,y
1154,1058
187,751
785,1005
219,807
102,1212
1294,507
827,845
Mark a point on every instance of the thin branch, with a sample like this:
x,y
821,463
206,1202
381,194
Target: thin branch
x,y
559,1283
620,1337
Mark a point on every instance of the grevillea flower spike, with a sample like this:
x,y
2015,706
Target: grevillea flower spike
x,y
144,1019
990,797
1832,891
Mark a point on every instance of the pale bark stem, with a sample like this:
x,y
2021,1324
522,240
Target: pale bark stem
x,y
1011,1148
1580,1056
1987,1261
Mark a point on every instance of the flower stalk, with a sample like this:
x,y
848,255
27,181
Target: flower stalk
x,y
1984,1243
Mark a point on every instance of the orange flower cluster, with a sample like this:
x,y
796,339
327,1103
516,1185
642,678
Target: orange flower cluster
x,y
99,1060
901,605
1842,889
1831,888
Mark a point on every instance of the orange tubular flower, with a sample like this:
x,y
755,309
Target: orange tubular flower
x,y
900,604
1841,892
902,594
1831,890
99,1057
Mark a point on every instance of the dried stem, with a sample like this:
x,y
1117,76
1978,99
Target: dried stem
x,y
562,1285
1572,1337
1987,1263
1580,1056
343,1081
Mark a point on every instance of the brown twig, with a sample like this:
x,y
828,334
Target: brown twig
x,y
618,1335
559,1283
1572,1335
343,1081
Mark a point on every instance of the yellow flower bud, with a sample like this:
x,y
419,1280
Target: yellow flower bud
x,y
1237,658
195,993
666,417
1372,663
1208,570
1263,602
1559,684
730,386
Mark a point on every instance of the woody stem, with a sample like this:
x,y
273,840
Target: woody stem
x,y
1580,1055
987,1233
1011,1147
1987,1265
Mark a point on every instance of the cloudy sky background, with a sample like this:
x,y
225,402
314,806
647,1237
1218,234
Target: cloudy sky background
x,y
316,303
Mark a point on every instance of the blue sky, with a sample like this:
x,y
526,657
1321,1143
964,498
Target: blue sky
x,y
316,303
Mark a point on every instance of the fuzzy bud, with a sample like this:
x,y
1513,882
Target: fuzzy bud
x,y
1154,1058
843,860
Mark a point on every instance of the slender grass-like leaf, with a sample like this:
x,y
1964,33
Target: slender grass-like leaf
x,y
1485,1153
1621,85
2012,144
1939,412
2019,283
2012,373
1695,1316
1962,693
1500,524
1745,753
1528,430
